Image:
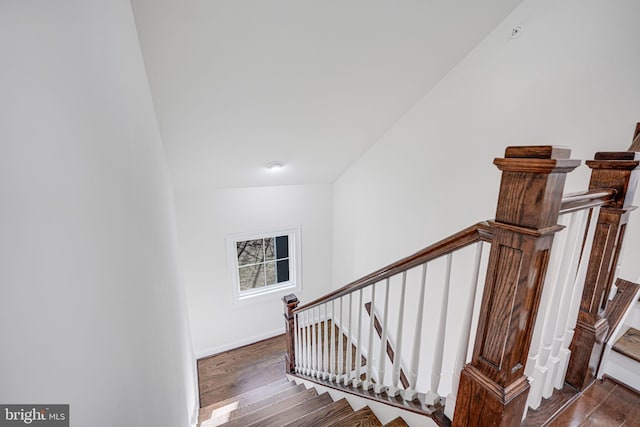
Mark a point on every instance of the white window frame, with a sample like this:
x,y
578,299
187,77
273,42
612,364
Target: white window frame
x,y
293,284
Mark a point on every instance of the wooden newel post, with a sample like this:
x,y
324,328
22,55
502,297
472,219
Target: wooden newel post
x,y
609,170
493,388
290,303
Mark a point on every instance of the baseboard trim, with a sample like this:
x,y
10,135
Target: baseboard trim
x,y
239,343
194,415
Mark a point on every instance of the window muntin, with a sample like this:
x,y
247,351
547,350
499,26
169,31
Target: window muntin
x,y
262,263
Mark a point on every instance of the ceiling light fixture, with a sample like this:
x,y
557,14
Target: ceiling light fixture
x,y
274,166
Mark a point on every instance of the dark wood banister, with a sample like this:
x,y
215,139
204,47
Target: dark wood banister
x,y
481,231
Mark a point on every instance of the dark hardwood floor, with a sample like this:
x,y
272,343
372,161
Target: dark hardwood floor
x,y
605,403
238,371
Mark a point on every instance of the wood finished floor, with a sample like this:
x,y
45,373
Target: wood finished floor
x,y
238,371
606,404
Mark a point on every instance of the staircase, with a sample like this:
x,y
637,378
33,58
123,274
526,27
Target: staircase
x,y
283,403
525,327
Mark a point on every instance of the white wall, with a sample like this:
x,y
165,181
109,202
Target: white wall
x,y
569,79
206,217
92,310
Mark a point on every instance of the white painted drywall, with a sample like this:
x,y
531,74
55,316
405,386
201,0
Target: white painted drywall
x,y
92,309
569,79
206,217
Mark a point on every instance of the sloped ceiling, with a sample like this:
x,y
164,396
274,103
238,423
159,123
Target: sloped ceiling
x,y
237,84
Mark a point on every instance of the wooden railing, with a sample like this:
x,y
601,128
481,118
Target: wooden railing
x,y
331,339
342,314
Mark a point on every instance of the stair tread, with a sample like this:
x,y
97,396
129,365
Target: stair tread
x,y
267,401
363,417
396,422
328,414
629,344
271,409
249,396
265,398
291,413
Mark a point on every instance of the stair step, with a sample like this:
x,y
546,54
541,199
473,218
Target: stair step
x,y
226,406
250,407
629,344
271,409
325,415
289,414
396,422
361,418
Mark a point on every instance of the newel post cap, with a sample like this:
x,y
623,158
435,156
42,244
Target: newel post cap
x,y
537,159
617,170
531,186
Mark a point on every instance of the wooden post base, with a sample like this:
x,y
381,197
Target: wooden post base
x,y
482,402
586,349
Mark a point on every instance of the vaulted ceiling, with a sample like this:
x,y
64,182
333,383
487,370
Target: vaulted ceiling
x,y
237,83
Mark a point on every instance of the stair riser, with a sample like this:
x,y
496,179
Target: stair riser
x,y
624,369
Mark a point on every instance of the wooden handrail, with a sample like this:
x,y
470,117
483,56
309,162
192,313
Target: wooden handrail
x,y
586,199
480,231
477,232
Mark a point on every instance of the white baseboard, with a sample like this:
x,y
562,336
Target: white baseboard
x,y
194,415
239,343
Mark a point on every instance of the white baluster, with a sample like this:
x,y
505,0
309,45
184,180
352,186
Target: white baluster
x,y
349,374
310,337
302,347
553,269
296,343
340,345
368,384
379,387
325,342
411,393
463,341
394,390
570,265
308,344
314,343
436,370
356,381
319,371
543,330
332,361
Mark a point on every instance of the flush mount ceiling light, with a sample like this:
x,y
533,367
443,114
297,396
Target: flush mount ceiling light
x,y
274,166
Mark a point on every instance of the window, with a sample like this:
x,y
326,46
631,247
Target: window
x,y
263,263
